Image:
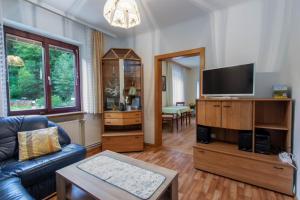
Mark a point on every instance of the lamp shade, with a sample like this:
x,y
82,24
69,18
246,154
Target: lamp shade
x,y
122,13
15,61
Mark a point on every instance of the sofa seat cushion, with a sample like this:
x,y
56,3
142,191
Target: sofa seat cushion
x,y
12,189
38,169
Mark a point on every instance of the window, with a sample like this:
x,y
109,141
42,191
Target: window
x,y
43,74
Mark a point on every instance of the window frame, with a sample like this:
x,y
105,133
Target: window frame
x,y
46,43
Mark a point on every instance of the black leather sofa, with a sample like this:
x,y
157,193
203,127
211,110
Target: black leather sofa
x,y
31,179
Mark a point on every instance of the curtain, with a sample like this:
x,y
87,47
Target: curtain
x,y
3,99
169,84
179,76
95,100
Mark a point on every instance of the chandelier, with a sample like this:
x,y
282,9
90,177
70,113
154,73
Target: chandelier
x,y
122,13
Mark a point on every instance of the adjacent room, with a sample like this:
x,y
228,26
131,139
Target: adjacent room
x,y
149,99
180,89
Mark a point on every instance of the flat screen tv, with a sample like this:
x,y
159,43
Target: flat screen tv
x,y
229,81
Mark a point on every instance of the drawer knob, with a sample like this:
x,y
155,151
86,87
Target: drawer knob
x,y
216,106
276,167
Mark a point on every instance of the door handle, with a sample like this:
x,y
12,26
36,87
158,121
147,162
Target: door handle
x,y
276,167
226,106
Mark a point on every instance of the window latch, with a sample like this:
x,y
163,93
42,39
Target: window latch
x,y
49,80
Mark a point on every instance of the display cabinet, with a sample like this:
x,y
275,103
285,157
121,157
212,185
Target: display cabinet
x,y
122,92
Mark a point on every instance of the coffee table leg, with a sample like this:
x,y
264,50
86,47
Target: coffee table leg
x,y
61,187
174,188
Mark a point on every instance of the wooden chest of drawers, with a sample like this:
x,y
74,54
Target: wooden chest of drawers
x,y
119,142
118,136
122,118
260,170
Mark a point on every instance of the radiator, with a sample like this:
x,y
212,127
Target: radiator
x,y
75,130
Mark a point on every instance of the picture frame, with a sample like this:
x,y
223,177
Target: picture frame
x,y
110,102
164,83
136,102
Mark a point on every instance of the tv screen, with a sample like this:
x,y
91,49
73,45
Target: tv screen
x,y
229,81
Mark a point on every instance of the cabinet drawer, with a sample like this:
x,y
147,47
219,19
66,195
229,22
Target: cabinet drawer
x,y
122,115
122,122
276,177
123,143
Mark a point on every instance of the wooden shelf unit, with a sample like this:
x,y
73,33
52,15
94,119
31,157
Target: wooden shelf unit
x,y
122,131
226,116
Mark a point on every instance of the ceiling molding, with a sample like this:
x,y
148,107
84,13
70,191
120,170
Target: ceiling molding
x,y
203,4
69,16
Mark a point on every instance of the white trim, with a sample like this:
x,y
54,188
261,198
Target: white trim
x,y
37,31
69,16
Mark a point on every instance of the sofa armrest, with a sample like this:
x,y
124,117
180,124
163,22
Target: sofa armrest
x,y
64,138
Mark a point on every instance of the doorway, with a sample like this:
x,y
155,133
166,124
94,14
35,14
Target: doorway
x,y
200,52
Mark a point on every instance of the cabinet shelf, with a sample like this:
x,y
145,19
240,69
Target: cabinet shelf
x,y
272,126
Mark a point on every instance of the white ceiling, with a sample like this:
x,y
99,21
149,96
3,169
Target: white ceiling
x,y
154,13
191,62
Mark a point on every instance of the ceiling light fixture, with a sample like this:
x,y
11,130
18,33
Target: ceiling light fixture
x,y
122,13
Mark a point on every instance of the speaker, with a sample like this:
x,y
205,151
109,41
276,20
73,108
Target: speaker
x,y
245,141
263,143
203,134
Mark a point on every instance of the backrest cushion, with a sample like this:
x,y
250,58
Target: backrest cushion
x,y
9,126
34,122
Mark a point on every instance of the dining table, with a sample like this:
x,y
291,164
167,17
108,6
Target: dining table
x,y
177,111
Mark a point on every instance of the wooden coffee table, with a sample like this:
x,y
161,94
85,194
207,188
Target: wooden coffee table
x,y
99,189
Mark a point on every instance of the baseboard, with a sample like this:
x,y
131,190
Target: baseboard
x,y
93,146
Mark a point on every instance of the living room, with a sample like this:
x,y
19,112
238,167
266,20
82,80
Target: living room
x,y
69,64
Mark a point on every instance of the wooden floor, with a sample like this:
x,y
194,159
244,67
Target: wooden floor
x,y
194,184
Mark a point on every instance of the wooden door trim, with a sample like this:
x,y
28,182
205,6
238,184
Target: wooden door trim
x,y
158,86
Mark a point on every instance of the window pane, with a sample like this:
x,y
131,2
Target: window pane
x,y
25,73
63,77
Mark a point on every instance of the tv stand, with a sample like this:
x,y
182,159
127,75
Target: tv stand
x,y
226,118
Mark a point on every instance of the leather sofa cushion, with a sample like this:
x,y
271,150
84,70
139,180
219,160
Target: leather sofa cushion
x,y
34,122
38,169
8,136
12,189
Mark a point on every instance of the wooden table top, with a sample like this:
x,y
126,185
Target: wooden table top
x,y
103,190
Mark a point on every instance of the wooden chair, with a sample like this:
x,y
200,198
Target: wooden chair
x,y
183,115
169,118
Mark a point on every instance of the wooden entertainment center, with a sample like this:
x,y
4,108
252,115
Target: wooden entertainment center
x,y
227,118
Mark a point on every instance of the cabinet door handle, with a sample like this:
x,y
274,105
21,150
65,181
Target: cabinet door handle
x,y
227,106
216,106
276,167
108,122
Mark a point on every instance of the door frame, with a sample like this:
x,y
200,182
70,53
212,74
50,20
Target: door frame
x,y
158,84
